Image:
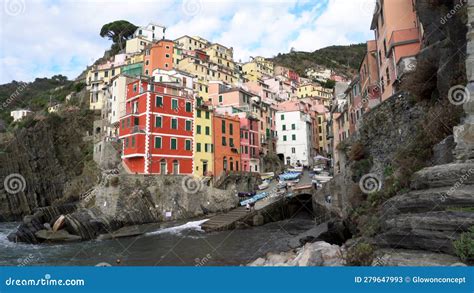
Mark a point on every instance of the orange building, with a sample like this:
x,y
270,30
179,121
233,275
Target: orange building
x,y
226,130
398,35
159,55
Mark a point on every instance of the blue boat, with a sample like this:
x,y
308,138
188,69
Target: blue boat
x,y
289,176
254,198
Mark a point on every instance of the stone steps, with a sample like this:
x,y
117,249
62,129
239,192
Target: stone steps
x,y
222,221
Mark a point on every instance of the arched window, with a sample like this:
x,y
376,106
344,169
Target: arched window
x,y
225,164
163,167
175,167
231,164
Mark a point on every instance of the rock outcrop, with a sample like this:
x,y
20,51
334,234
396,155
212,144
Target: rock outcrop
x,y
126,200
311,254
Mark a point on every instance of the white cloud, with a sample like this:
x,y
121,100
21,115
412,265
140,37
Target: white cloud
x,y
43,38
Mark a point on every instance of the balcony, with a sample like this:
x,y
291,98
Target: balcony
x,y
403,37
137,129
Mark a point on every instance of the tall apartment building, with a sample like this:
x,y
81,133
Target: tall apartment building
x,y
157,129
398,38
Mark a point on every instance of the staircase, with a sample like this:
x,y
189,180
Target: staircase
x,y
227,220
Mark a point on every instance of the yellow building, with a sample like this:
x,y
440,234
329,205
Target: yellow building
x,y
136,45
203,139
257,69
312,90
98,79
205,71
221,56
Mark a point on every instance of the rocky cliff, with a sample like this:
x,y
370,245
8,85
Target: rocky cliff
x,y
45,162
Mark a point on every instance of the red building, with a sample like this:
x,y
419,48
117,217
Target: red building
x,y
157,130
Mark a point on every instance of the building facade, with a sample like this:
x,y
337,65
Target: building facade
x,y
227,144
398,37
157,129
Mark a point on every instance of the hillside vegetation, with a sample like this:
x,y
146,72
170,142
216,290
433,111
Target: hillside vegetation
x,y
34,95
344,60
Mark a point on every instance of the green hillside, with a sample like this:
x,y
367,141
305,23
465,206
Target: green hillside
x,y
342,59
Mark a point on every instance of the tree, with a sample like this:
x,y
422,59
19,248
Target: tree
x,y
118,31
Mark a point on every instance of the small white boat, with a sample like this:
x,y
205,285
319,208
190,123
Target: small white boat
x,y
264,185
318,169
322,178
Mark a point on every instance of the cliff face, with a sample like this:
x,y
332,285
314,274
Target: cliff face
x,y
418,196
51,162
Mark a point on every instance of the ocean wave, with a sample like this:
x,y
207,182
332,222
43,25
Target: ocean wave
x,y
194,225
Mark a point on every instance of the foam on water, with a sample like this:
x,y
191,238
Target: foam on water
x,y
194,225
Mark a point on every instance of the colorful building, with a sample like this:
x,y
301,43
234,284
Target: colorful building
x,y
157,129
98,80
369,77
258,68
203,139
249,143
398,37
227,144
159,55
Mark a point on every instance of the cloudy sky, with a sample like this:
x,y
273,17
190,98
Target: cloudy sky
x,y
40,38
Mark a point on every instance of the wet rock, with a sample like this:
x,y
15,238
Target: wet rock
x,y
58,236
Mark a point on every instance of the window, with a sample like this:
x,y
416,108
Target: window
x,y
133,141
157,142
223,126
231,129
207,115
188,107
198,113
158,121
126,142
167,55
187,145
282,117
198,147
198,129
159,101
224,142
135,87
284,137
221,98
174,123
293,150
208,130
283,127
188,125
174,104
293,126
293,137
231,142
174,144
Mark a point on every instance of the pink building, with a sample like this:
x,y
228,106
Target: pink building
x,y
398,35
249,143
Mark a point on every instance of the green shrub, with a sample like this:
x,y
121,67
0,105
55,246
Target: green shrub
x,y
361,254
464,246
